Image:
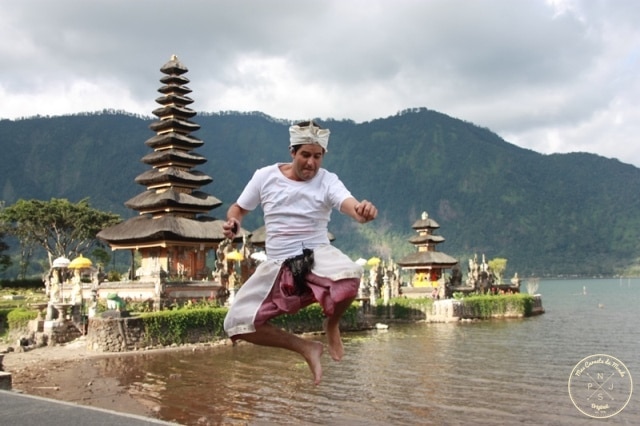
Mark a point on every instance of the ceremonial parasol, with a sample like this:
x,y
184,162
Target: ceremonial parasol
x,y
373,261
61,262
80,262
234,255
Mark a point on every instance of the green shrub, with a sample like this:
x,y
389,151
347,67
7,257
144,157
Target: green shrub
x,y
22,284
403,312
140,306
311,317
169,327
487,306
307,318
4,324
19,318
114,276
403,308
173,326
523,303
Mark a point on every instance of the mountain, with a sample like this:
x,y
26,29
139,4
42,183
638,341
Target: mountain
x,y
549,215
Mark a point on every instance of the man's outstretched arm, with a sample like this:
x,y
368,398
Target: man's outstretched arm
x,y
362,211
234,220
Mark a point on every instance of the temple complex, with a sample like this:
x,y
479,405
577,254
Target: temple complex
x,y
172,232
426,263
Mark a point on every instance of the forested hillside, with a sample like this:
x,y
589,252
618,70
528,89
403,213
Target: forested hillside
x,y
571,214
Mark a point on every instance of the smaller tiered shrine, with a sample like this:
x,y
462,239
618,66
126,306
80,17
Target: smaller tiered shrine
x,y
426,263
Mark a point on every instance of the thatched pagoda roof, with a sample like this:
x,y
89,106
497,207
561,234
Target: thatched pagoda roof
x,y
425,239
173,156
190,178
173,139
171,198
427,258
144,229
173,124
173,80
174,67
425,223
174,99
174,110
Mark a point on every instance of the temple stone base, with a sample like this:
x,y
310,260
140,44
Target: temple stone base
x,y
128,334
451,310
59,332
447,310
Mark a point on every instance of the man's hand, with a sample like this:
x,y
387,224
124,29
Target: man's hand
x,y
230,227
366,210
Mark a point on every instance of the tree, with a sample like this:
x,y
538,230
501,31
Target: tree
x,y
101,255
5,259
498,266
27,244
60,227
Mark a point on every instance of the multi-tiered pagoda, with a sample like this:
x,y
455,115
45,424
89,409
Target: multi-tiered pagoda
x,y
173,232
426,262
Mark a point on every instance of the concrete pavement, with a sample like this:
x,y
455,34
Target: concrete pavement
x,y
17,409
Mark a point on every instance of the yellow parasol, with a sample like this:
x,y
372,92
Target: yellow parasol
x,y
373,261
80,262
234,255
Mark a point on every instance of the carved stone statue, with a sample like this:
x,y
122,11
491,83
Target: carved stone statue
x,y
456,276
76,293
115,302
483,282
54,292
515,280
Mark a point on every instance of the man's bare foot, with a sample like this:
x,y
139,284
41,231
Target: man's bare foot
x,y
336,350
313,357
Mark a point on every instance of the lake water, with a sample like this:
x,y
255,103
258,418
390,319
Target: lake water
x,y
481,373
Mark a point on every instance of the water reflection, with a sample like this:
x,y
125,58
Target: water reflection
x,y
493,372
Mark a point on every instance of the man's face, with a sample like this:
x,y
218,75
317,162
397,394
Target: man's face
x,y
307,161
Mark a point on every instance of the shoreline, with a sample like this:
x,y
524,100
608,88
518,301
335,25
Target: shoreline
x,y
70,373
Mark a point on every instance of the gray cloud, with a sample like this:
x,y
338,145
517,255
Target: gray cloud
x,y
553,76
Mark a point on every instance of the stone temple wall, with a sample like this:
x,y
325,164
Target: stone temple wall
x,y
128,334
115,334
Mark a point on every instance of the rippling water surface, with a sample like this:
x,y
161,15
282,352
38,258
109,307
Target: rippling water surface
x,y
481,373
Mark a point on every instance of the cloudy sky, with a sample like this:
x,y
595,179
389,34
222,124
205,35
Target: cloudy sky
x,y
549,75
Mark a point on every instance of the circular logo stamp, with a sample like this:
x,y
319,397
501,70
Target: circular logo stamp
x,y
600,386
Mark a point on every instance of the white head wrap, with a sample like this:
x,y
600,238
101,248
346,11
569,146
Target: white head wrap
x,y
311,134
